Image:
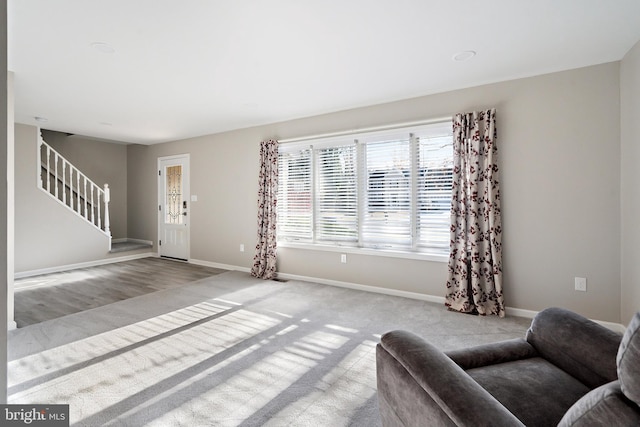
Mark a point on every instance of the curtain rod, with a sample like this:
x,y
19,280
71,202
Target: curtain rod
x,y
368,129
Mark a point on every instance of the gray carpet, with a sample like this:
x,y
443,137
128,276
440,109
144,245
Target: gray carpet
x,y
229,350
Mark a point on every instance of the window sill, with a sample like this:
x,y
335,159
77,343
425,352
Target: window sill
x,y
366,251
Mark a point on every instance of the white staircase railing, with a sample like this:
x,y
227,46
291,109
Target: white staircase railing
x,y
63,181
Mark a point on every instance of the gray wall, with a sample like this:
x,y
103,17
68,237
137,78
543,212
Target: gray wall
x,y
559,143
47,234
630,181
223,176
104,163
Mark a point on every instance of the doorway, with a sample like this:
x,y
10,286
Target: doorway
x,y
173,207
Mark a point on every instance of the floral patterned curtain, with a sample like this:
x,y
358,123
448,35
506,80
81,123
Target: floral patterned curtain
x,y
474,284
264,261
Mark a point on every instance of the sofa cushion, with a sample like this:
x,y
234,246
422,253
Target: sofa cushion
x,y
628,360
601,407
537,392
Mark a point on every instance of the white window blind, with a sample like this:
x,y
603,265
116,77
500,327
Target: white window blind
x,y
294,195
379,190
387,208
435,181
336,194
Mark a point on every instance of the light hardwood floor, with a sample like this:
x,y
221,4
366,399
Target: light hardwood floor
x,y
54,295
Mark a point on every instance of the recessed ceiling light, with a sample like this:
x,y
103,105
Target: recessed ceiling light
x,y
106,124
41,119
103,47
463,56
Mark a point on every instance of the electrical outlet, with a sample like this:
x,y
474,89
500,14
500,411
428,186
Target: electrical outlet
x,y
241,247
581,284
343,258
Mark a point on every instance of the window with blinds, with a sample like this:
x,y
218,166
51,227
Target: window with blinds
x,y
378,190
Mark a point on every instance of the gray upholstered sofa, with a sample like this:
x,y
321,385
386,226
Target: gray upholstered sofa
x,y
568,371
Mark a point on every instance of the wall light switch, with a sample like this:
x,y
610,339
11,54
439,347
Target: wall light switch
x,y
241,247
343,258
581,284
194,197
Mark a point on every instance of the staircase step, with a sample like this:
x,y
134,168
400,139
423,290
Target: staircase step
x,y
128,246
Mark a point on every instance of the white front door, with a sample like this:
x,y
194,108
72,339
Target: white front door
x,y
173,206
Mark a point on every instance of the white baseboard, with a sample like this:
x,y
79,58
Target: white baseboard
x,y
367,288
517,312
95,263
218,265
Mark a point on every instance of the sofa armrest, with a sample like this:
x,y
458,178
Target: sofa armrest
x,y
463,400
576,345
492,354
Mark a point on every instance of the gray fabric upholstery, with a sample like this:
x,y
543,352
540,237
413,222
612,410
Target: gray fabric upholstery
x,y
401,400
616,400
576,345
606,405
565,371
628,361
456,394
544,385
490,354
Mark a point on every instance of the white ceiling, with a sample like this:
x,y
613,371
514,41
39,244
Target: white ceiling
x,y
194,67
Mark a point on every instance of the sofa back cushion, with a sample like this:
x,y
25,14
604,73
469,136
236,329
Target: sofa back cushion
x,y
604,406
576,345
628,361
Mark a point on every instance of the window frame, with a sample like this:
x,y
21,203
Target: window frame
x,y
440,128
